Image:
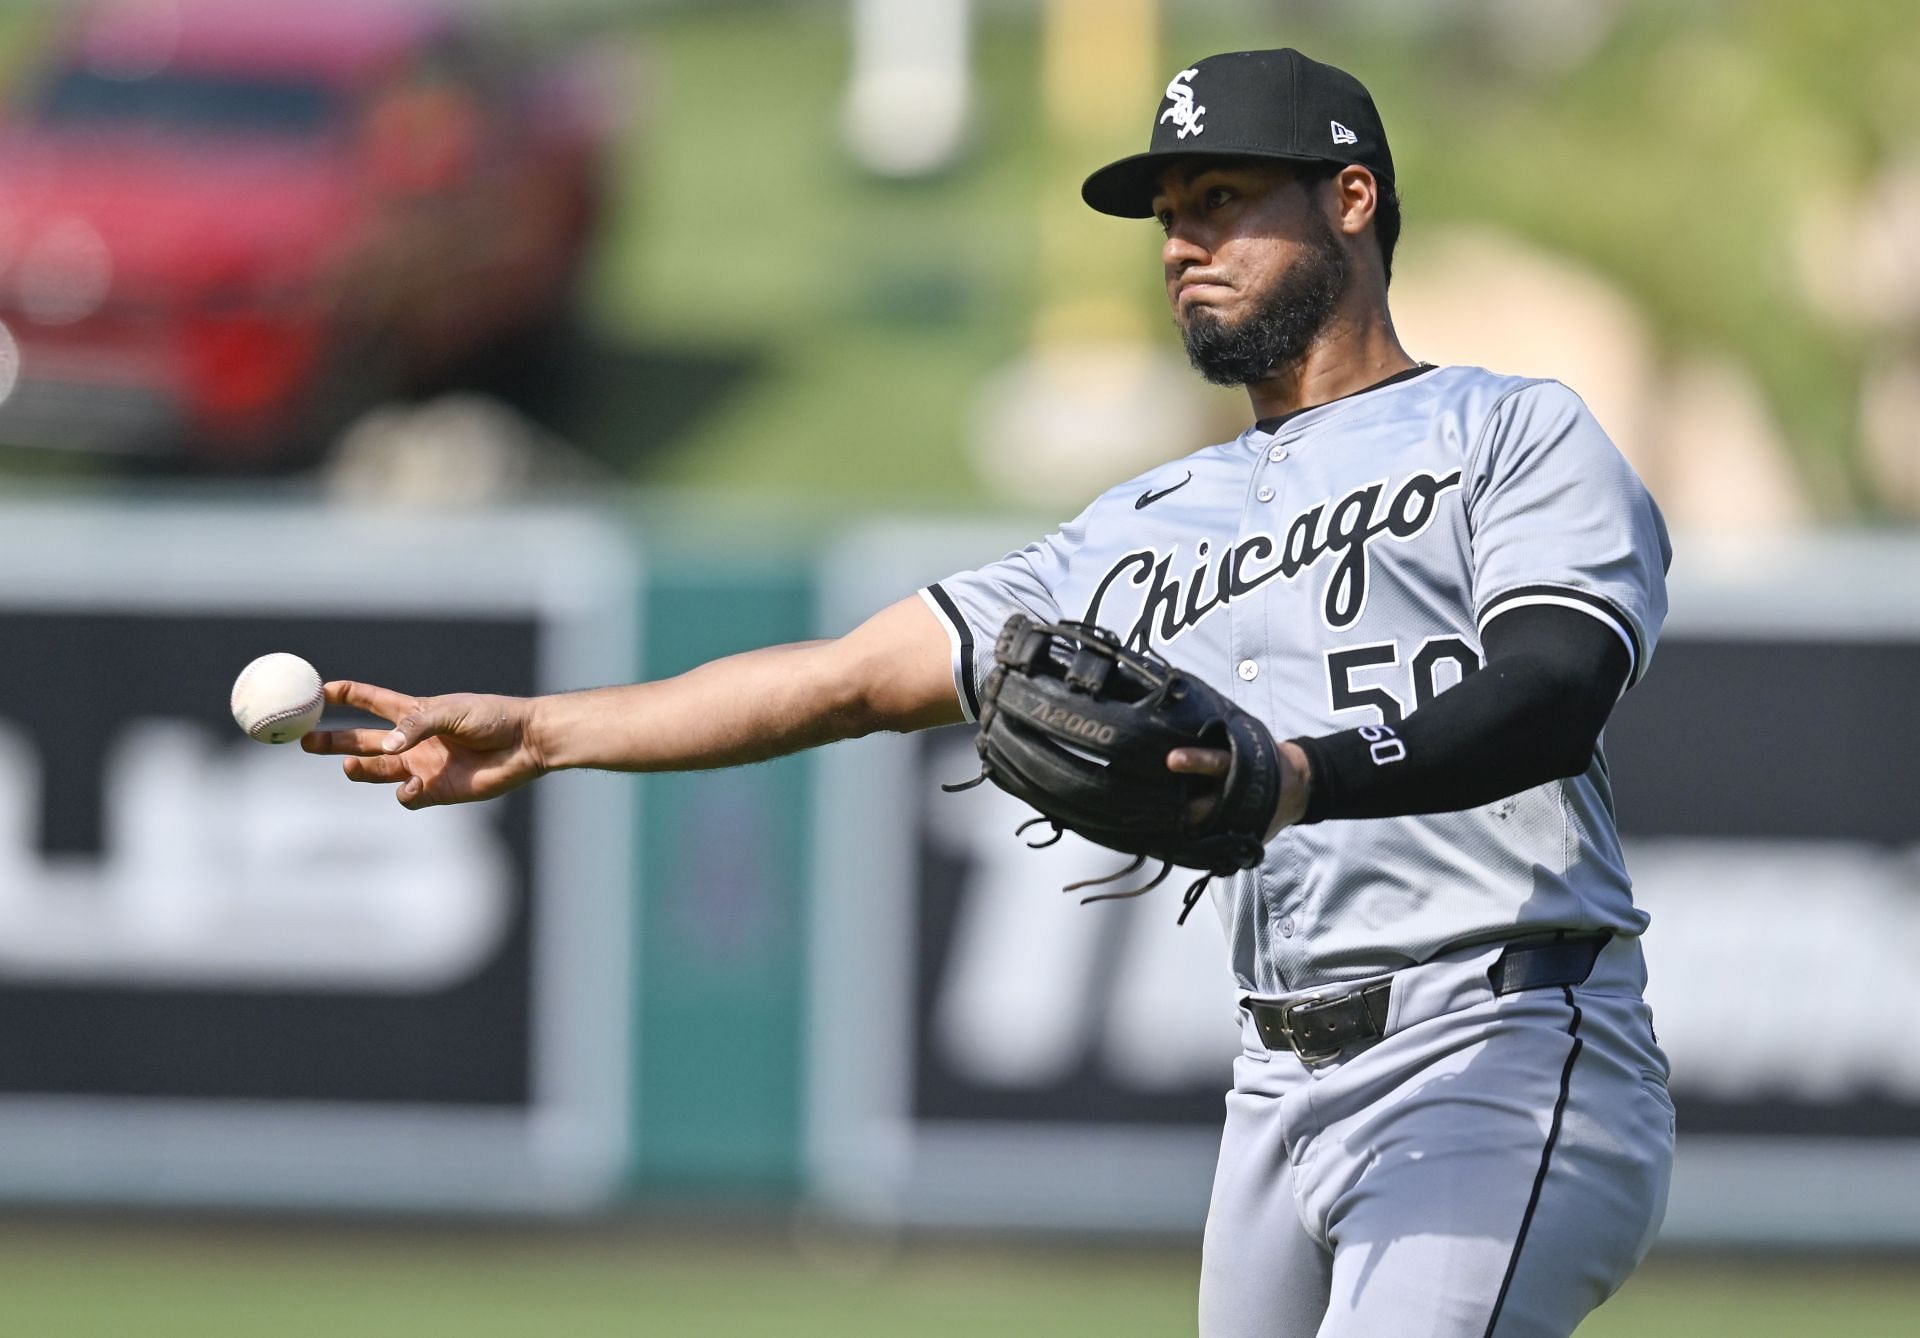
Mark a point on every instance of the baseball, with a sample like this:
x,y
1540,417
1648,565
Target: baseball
x,y
277,698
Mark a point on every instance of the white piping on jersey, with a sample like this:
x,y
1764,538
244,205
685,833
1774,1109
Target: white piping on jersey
x,y
1502,605
962,688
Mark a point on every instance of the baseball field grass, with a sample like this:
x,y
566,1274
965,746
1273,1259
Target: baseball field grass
x,y
150,1279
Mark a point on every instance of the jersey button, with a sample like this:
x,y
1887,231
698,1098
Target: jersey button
x,y
1249,670
1265,494
1286,927
1277,454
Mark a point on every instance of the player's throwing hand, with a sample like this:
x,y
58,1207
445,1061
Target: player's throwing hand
x,y
440,750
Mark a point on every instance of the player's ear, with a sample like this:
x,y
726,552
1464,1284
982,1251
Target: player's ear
x,y
1351,199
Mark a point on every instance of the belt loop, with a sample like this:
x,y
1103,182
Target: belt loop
x,y
1565,959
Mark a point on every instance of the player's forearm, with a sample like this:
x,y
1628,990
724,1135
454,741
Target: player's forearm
x,y
745,708
891,673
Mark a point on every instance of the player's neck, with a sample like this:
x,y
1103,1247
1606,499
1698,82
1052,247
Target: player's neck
x,y
1354,352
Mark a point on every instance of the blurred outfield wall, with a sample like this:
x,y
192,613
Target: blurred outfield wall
x,y
230,977
237,979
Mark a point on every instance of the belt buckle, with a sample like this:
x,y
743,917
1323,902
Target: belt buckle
x,y
1286,1029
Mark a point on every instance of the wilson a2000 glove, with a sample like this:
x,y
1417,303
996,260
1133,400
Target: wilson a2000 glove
x,y
1079,726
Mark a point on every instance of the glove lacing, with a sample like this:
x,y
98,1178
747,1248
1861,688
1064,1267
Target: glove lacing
x,y
1187,901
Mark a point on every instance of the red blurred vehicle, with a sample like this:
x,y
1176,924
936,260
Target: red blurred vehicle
x,y
226,226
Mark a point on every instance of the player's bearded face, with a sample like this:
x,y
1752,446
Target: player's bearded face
x,y
1284,321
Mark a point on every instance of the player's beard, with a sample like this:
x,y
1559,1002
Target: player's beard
x,y
1277,333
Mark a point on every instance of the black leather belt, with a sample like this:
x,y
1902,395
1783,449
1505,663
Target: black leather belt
x,y
1319,1027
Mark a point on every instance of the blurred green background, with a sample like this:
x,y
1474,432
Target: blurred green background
x,y
1678,157
766,319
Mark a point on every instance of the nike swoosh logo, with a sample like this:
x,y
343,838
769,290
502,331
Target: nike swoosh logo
x,y
1148,498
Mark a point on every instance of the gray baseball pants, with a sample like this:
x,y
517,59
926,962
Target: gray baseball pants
x,y
1494,1167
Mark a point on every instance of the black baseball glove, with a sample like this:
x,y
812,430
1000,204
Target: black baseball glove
x,y
1079,726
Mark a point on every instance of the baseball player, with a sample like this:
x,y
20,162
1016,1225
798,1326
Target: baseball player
x,y
1450,1116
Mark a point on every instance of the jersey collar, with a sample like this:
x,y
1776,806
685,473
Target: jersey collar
x,y
1275,423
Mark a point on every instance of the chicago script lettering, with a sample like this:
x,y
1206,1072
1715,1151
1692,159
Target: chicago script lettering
x,y
1340,528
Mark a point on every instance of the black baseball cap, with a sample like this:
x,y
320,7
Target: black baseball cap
x,y
1253,104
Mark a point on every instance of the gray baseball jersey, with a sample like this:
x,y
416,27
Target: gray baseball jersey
x,y
1334,569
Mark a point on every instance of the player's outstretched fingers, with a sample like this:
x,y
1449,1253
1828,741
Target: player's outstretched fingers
x,y
353,742
375,770
383,702
414,793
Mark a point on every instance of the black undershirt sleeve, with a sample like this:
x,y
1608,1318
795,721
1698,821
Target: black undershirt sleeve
x,y
1531,714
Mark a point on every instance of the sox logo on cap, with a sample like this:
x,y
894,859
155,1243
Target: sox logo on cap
x,y
1184,115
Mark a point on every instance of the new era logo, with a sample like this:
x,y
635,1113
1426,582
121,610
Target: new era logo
x,y
1342,135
